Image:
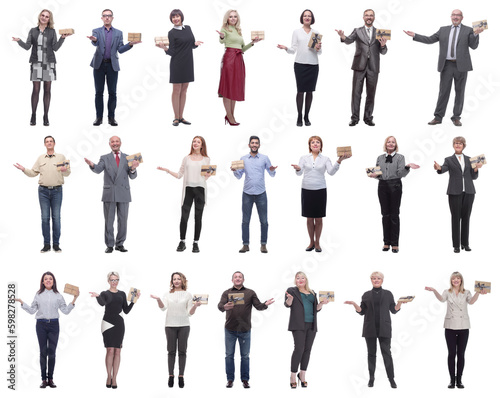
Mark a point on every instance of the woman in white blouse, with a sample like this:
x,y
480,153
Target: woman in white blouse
x,y
456,324
194,189
306,66
47,304
179,306
314,166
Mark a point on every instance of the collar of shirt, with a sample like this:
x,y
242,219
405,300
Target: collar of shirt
x,y
256,156
117,153
319,155
178,27
392,154
50,156
238,290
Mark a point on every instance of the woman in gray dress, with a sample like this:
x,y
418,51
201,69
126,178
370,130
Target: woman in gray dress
x,y
43,42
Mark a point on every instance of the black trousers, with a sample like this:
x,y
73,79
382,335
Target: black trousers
x,y
389,195
451,74
358,79
461,208
177,339
385,347
196,195
456,340
48,336
303,340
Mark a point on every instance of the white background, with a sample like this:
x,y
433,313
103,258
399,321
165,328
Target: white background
x,y
352,234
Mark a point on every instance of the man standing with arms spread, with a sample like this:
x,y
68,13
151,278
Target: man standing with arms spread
x,y
254,191
109,42
238,326
116,192
366,66
50,182
453,63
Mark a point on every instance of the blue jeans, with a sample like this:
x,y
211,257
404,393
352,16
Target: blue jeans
x,y
48,336
50,204
105,73
247,205
244,342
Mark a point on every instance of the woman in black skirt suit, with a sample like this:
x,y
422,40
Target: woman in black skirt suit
x,y
306,65
112,326
180,48
314,166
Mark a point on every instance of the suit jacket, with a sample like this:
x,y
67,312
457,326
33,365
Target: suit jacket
x,y
368,310
365,47
117,46
457,316
455,184
32,42
116,179
297,316
465,40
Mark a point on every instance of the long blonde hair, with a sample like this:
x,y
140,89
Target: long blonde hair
x,y
50,24
461,287
225,24
300,273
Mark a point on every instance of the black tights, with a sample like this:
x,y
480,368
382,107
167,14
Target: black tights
x,y
300,101
456,340
46,97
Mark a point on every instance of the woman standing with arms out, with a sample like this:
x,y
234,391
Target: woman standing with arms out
x,y
390,189
179,306
304,308
460,192
306,64
113,327
47,304
194,189
314,166
232,75
456,324
43,43
181,45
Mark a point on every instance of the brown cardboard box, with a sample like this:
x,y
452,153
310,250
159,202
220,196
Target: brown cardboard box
x,y
344,150
480,24
212,169
132,294
257,33
64,163
131,158
238,164
329,295
479,286
66,31
202,298
477,159
236,298
315,38
71,289
162,39
383,33
134,37
375,170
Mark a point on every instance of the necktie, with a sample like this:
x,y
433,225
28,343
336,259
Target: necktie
x,y
453,41
117,157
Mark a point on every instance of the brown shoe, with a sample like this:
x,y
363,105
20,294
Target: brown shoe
x,y
44,384
244,249
229,384
456,122
263,249
245,384
434,121
51,384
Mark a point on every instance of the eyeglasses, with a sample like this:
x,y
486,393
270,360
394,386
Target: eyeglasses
x,y
114,280
456,15
107,16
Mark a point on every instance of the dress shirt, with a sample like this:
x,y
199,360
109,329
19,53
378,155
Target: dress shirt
x,y
254,173
461,161
108,38
314,171
178,27
452,30
47,304
457,316
177,304
394,170
46,167
305,54
239,319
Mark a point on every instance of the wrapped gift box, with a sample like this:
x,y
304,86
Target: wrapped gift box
x,y
162,39
375,170
134,37
202,298
329,295
131,158
480,286
315,39
65,163
383,33
477,159
406,299
132,295
238,164
237,298
71,289
344,150
480,24
66,31
257,33
211,168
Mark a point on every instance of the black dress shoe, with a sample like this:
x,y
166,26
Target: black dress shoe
x,y
370,382
452,383
353,123
310,248
112,121
44,384
46,120
369,123
229,384
184,121
181,247
98,121
45,249
456,250
245,384
57,248
108,250
299,123
181,379
393,383
51,384
170,381
466,248
33,123
196,249
307,122
121,249
459,382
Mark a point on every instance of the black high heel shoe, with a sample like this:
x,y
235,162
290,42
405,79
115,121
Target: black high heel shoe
x,y
33,120
181,382
109,385
466,248
302,383
170,381
46,120
385,249
293,385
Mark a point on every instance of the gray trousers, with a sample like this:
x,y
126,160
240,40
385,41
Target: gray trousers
x,y
177,339
358,79
110,208
451,74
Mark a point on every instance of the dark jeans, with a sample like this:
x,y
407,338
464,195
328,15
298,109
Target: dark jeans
x,y
244,342
303,340
177,338
105,73
451,74
385,347
456,340
461,208
389,195
50,204
48,335
196,195
247,206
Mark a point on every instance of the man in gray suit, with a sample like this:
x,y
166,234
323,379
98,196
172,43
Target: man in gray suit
x,y
453,63
108,42
366,66
116,192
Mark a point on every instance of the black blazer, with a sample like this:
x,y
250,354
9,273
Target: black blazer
x,y
367,309
455,185
32,41
297,317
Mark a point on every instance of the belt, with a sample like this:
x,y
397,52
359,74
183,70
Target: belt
x,y
48,320
54,187
107,60
451,60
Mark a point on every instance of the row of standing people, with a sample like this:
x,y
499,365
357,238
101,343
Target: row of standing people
x,y
376,306
453,64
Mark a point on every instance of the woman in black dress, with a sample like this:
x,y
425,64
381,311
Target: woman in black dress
x,y
112,326
43,41
180,48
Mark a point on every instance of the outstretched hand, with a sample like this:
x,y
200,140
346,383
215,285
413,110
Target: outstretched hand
x,y
409,33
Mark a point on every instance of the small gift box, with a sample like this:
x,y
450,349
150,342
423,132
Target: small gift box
x,y
131,158
132,295
480,286
375,170
66,31
329,295
236,298
211,168
64,163
477,159
480,24
162,40
383,33
315,39
134,37
202,298
71,289
344,150
259,34
406,299
238,164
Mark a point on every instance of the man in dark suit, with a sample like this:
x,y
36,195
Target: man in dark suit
x,y
109,42
366,66
453,63
375,306
116,192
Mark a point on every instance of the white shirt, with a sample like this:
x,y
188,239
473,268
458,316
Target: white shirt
x,y
450,40
177,304
300,41
191,171
461,160
314,171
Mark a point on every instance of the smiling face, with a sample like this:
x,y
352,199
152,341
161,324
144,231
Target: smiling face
x,y
390,145
177,282
307,18
458,147
456,17
238,279
377,281
456,281
177,20
48,282
369,17
254,146
233,18
115,143
300,281
197,144
315,145
113,281
44,17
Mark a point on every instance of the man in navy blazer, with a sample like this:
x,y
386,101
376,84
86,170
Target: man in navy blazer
x,y
116,192
453,63
108,42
